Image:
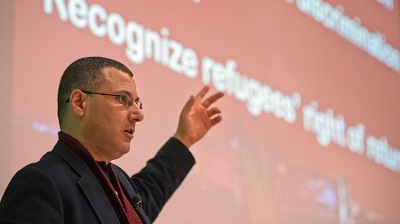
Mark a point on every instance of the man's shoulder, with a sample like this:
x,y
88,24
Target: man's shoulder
x,y
56,163
49,165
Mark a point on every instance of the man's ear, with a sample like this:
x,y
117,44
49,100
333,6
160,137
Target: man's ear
x,y
78,102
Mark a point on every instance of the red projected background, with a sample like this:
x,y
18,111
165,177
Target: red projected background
x,y
310,117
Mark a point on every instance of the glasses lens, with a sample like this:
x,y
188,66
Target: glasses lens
x,y
139,103
125,99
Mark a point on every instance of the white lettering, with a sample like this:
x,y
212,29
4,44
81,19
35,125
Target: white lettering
x,y
153,45
190,63
140,42
387,3
324,125
134,41
97,11
350,29
116,29
61,8
355,138
259,98
77,10
175,54
382,153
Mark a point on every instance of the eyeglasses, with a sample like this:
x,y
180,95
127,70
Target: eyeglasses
x,y
124,98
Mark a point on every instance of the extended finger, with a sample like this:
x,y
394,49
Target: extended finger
x,y
213,111
203,92
215,120
211,99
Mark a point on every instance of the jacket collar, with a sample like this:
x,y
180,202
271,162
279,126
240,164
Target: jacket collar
x,y
88,183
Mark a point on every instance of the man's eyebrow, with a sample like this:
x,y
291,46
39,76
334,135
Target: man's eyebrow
x,y
126,91
130,94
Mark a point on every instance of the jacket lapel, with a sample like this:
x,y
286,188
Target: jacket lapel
x,y
97,198
130,192
89,184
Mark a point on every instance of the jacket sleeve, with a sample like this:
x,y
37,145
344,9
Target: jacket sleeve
x,y
31,197
162,175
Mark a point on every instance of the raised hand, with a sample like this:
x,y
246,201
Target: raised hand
x,y
197,117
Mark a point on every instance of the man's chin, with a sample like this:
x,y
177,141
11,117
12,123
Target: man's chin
x,y
121,152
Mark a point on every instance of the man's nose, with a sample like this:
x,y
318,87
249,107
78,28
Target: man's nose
x,y
135,113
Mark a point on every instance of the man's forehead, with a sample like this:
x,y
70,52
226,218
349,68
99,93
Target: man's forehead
x,y
119,81
111,71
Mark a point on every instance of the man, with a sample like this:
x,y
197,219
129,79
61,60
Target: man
x,y
98,108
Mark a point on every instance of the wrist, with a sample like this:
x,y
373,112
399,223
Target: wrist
x,y
182,139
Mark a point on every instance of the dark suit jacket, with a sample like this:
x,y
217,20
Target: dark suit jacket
x,y
61,188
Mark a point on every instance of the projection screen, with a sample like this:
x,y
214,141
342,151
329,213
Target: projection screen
x,y
311,113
